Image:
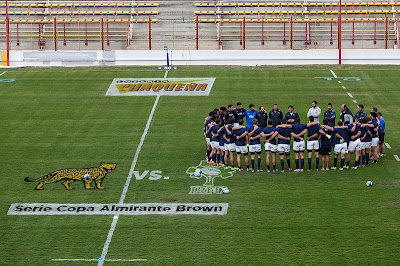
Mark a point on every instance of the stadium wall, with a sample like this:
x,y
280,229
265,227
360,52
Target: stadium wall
x,y
202,57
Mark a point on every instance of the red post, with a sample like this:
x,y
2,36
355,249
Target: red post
x,y
86,41
398,33
7,35
17,34
127,35
386,31
352,40
244,33
284,33
375,32
219,35
197,33
331,33
108,40
39,38
55,34
291,33
340,32
102,33
149,33
262,32
65,41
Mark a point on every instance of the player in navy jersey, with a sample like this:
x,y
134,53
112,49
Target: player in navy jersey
x,y
229,112
269,134
240,133
222,114
215,153
208,123
230,144
354,144
375,137
325,144
284,135
238,112
221,133
312,143
298,144
366,140
255,145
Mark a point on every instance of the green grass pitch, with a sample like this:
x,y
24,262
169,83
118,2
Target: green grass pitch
x,y
57,118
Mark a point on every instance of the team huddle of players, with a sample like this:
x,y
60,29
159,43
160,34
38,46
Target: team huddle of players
x,y
236,130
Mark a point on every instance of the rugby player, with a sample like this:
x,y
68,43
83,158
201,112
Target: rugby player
x,y
230,144
238,112
382,126
354,144
284,135
269,134
312,143
215,152
240,133
255,145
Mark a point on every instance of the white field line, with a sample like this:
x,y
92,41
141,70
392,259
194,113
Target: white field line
x,y
344,87
387,145
3,73
396,157
354,101
97,259
128,181
339,81
166,73
351,96
333,73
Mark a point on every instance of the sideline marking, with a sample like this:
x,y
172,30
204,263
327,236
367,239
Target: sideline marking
x,y
98,259
333,73
351,96
396,157
387,145
3,73
127,182
166,73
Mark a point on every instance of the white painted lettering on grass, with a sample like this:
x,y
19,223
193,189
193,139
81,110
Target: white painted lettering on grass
x,y
387,145
333,73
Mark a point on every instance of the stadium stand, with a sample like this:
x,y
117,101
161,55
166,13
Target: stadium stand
x,y
199,25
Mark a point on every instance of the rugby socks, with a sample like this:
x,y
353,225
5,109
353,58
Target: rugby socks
x,y
214,158
288,162
259,163
335,162
208,155
341,163
309,163
252,164
274,167
283,165
302,163
296,161
218,158
363,159
317,161
347,163
269,168
367,158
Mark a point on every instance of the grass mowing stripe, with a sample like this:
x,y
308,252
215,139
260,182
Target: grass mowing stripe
x,y
126,186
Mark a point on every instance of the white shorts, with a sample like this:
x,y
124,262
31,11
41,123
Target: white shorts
x,y
299,146
375,142
366,145
255,148
355,145
312,145
241,149
230,147
340,148
215,144
222,147
235,124
284,148
270,147
208,141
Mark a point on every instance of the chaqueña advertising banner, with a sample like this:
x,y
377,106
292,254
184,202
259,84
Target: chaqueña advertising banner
x,y
160,86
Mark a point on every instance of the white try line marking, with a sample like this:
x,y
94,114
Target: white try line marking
x,y
354,101
339,81
3,73
97,259
128,181
397,158
343,87
333,73
387,145
351,96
